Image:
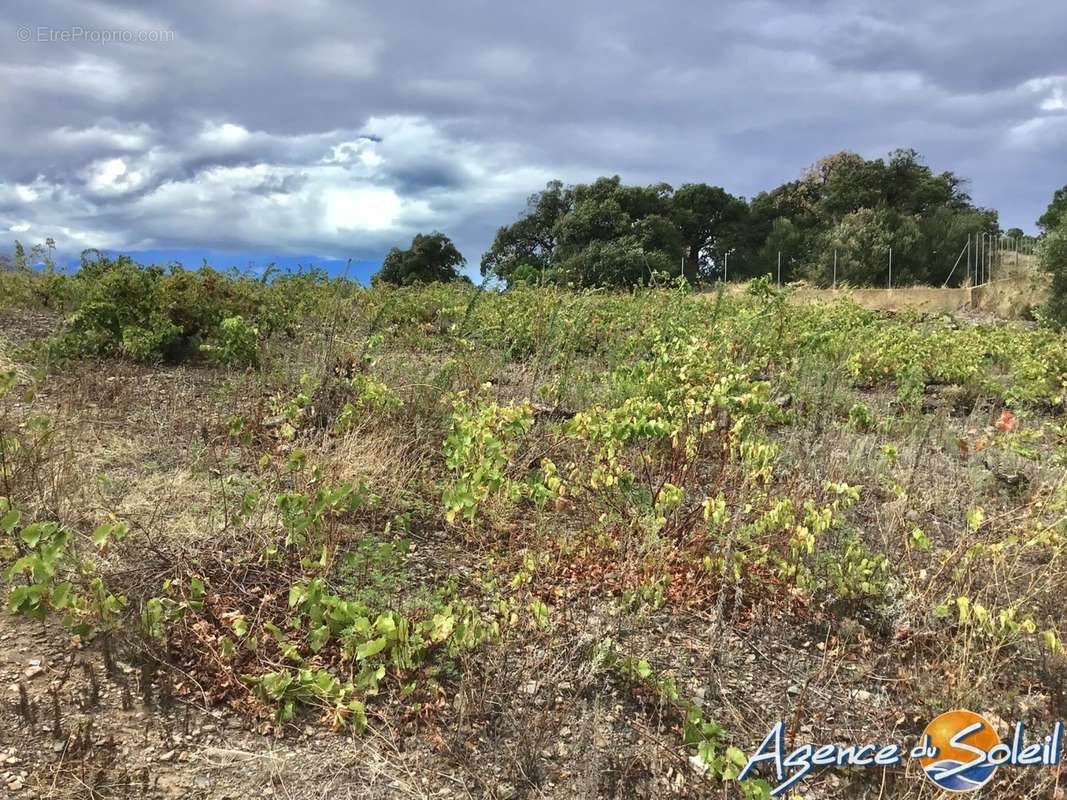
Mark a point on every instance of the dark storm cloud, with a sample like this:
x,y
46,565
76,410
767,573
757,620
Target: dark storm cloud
x,y
339,128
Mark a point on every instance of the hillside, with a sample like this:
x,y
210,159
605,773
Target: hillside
x,y
307,539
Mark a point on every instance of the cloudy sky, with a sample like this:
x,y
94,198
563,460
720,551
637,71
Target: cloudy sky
x,y
256,130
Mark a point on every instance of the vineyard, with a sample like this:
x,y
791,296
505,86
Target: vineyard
x,y
301,538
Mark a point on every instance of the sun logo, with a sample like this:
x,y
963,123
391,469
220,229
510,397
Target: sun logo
x,y
959,745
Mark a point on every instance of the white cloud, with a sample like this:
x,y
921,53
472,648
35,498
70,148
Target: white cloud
x,y
226,136
1053,89
369,209
254,129
130,138
362,151
113,176
342,193
1039,132
87,76
25,193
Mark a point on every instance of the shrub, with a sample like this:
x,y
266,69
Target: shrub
x,y
1053,251
122,314
237,343
149,314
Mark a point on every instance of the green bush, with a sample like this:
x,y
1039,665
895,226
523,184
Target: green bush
x,y
1053,251
149,314
238,343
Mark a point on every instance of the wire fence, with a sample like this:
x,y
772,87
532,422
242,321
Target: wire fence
x,y
983,257
993,254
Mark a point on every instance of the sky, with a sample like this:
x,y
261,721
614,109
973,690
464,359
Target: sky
x,y
251,131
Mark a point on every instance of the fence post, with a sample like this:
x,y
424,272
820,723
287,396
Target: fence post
x,y
968,255
993,242
835,268
890,268
779,269
725,265
990,247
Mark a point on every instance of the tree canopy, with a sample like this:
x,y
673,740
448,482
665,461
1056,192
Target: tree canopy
x,y
431,257
1056,211
860,209
1053,253
609,234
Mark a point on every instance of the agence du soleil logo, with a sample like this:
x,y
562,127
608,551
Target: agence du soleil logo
x,y
959,751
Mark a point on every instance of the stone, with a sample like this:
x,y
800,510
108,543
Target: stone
x,y
863,696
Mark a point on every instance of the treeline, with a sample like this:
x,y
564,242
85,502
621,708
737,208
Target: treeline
x,y
609,234
840,219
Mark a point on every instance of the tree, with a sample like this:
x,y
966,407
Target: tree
x,y
602,233
1053,254
1014,233
529,243
431,257
606,233
710,222
842,183
784,243
1055,212
861,208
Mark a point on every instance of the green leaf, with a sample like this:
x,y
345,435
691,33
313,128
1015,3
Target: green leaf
x,y
963,604
318,637
32,534
101,534
10,520
275,684
358,716
386,626
60,596
371,648
736,756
